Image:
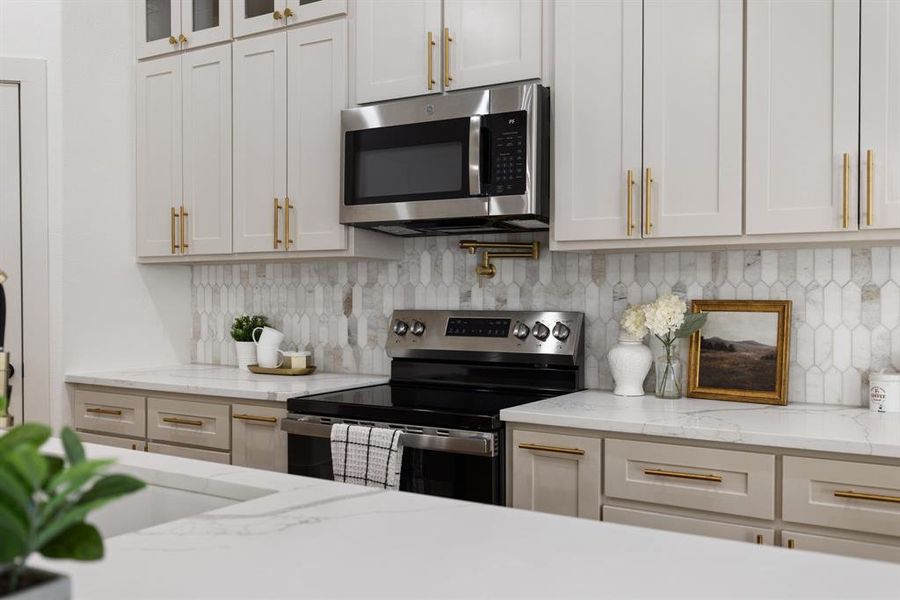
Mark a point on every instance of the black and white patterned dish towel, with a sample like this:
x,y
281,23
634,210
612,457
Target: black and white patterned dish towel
x,y
369,456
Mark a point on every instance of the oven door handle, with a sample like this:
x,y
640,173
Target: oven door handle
x,y
481,444
475,155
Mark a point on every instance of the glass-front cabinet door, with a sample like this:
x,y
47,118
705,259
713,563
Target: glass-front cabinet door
x,y
165,26
254,16
300,11
205,22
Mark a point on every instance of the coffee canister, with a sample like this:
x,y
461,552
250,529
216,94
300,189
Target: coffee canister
x,y
884,392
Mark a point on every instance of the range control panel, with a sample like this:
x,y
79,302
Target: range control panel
x,y
507,138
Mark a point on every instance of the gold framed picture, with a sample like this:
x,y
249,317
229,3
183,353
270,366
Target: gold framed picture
x,y
742,352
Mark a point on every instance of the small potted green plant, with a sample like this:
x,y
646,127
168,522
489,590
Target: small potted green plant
x,y
242,333
6,420
43,504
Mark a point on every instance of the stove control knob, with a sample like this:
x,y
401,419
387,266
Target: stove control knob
x,y
400,327
540,331
418,328
561,332
521,330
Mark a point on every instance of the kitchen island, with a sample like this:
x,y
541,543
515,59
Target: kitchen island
x,y
311,538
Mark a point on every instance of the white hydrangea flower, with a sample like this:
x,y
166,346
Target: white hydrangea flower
x,y
633,321
665,316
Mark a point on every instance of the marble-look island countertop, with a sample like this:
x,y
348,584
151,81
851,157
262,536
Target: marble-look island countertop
x,y
227,382
821,427
310,538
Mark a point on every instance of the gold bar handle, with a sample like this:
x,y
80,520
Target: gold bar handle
x,y
287,223
447,39
184,215
105,411
175,245
276,241
556,449
429,53
865,496
629,184
683,475
179,421
870,187
648,227
846,191
246,417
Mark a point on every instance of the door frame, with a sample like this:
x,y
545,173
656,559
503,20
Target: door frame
x,y
31,76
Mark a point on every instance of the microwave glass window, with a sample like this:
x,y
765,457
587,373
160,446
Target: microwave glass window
x,y
426,169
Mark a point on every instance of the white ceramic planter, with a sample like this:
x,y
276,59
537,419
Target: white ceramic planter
x,y
50,587
629,361
246,354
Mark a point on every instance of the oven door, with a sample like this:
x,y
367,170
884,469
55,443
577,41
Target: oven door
x,y
465,465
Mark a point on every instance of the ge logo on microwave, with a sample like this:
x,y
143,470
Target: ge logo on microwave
x,y
429,108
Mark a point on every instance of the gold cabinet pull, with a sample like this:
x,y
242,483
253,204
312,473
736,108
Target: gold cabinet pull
x,y
870,186
246,417
287,223
760,539
175,245
288,13
648,227
683,475
173,40
184,216
791,544
447,39
277,15
846,191
429,53
134,446
629,185
105,411
276,241
179,421
557,449
182,39
865,496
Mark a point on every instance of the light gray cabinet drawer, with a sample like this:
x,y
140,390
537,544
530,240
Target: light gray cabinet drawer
x,y
845,495
723,481
832,545
188,422
106,412
655,520
108,440
216,456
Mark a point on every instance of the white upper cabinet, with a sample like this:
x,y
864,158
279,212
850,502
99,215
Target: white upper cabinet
x,y
491,42
398,49
802,118
260,141
302,11
158,156
163,26
317,92
205,22
256,16
597,119
693,116
880,115
206,110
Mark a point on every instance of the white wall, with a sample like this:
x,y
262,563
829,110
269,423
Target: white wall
x,y
106,311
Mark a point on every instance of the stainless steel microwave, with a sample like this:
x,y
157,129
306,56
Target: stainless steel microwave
x,y
464,162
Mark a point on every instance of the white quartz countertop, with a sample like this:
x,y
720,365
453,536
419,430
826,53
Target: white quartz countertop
x,y
822,427
227,382
311,538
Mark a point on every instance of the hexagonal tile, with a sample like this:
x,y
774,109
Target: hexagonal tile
x,y
842,348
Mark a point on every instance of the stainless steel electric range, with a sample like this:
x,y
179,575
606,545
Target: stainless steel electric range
x,y
451,374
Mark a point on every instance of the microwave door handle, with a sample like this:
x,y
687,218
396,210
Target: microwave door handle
x,y
475,155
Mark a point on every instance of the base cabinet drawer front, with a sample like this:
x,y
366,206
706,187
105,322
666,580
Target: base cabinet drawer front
x,y
820,543
556,473
257,439
654,520
106,412
188,422
195,453
723,481
845,495
109,440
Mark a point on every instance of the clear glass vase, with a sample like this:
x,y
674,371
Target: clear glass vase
x,y
669,373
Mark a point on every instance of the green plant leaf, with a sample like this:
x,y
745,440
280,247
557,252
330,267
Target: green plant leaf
x,y
14,496
81,541
61,485
3,405
692,322
13,536
54,465
72,445
31,434
66,517
111,487
26,463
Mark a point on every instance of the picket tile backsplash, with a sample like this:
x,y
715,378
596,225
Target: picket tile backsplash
x,y
846,302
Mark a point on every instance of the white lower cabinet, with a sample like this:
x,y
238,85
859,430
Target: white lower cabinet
x,y
216,456
795,540
257,439
109,440
698,526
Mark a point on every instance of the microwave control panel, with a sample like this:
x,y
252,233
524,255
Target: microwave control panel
x,y
507,144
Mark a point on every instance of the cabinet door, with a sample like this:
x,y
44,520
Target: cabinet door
x,y
880,115
206,108
597,119
492,42
301,11
393,53
257,438
693,115
158,154
556,473
802,119
832,545
317,91
255,16
157,25
260,111
205,22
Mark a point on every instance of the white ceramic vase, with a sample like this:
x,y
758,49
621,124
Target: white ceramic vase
x,y
246,354
629,361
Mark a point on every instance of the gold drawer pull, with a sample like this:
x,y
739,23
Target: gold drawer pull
x,y
864,496
105,411
557,449
629,193
683,475
791,544
870,176
177,421
447,39
246,417
845,192
429,54
760,539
